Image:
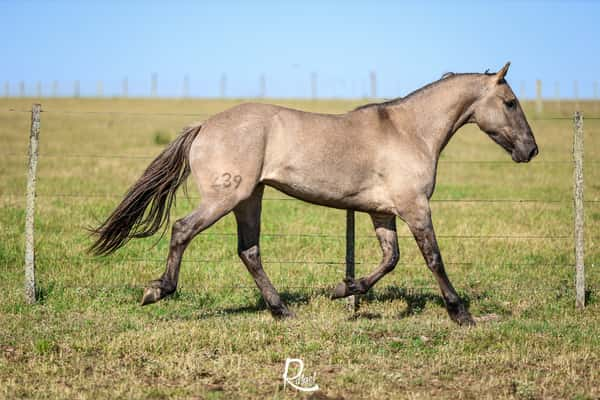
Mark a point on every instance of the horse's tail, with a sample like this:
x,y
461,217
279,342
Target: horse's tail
x,y
155,191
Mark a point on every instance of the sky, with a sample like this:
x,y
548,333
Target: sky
x,y
407,45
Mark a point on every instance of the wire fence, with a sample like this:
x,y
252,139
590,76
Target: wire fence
x,y
112,195
287,235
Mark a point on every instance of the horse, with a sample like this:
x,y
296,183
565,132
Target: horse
x,y
380,159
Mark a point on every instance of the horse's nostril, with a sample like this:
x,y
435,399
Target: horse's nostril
x,y
533,152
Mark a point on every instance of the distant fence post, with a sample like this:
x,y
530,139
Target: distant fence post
x,y
539,106
186,86
99,89
557,96
578,206
262,86
523,90
223,85
313,85
353,301
34,134
373,79
595,97
154,85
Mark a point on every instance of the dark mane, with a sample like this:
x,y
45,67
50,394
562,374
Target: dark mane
x,y
447,75
380,104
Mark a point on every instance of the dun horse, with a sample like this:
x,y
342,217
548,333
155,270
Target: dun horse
x,y
380,159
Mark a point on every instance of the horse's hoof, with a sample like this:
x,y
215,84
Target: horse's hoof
x,y
462,317
151,295
283,313
465,320
349,287
340,291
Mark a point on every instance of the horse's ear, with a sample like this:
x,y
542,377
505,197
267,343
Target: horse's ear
x,y
502,73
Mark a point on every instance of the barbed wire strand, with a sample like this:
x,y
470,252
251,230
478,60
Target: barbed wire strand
x,y
145,157
108,195
324,289
203,114
300,262
339,236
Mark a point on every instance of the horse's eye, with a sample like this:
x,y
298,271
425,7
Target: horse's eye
x,y
510,104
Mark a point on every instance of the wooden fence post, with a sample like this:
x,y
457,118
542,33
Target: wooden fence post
x,y
576,94
353,301
578,206
30,206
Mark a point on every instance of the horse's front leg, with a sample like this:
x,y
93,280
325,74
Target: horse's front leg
x,y
385,229
421,227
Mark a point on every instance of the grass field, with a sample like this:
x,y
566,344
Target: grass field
x,y
88,337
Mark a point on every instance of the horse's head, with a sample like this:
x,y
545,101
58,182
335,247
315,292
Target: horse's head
x,y
499,114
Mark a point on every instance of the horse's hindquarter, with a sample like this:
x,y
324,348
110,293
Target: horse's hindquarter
x,y
226,157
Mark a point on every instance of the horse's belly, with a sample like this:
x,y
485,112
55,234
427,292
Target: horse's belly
x,y
341,192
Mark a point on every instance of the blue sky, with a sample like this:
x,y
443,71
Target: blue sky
x,y
407,44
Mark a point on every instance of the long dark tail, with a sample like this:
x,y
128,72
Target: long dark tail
x,y
155,191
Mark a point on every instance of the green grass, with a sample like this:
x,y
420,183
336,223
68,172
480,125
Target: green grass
x,y
88,337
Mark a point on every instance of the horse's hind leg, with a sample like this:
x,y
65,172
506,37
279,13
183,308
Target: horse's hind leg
x,y
183,232
385,229
247,214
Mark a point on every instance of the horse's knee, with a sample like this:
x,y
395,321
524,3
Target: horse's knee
x,y
250,256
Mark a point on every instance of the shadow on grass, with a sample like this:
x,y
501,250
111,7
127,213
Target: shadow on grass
x,y
288,297
415,299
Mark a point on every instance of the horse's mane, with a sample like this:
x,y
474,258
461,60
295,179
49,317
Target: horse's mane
x,y
397,100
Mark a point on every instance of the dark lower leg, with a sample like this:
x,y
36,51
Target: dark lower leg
x,y
251,258
425,237
247,215
182,233
385,229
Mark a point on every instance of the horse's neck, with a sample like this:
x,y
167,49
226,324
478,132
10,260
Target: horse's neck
x,y
440,110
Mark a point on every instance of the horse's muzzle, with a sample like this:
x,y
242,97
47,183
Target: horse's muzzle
x,y
525,153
